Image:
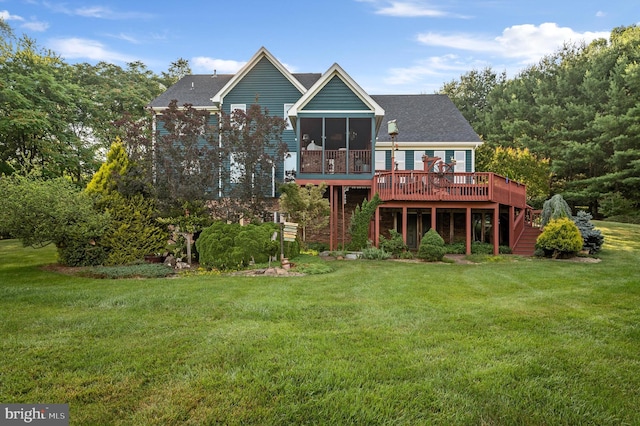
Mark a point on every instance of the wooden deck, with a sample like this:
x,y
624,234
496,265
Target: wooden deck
x,y
467,187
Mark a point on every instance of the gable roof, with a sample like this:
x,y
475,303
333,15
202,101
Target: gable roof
x,y
425,118
336,71
218,97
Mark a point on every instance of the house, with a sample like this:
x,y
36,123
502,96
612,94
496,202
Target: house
x,y
416,151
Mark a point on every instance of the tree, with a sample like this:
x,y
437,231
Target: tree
x,y
188,159
177,69
360,220
253,142
39,104
520,165
554,208
305,205
133,230
40,212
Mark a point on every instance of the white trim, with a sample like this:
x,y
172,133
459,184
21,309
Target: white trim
x,y
419,146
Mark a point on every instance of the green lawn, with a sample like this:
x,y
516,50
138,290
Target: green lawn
x,y
527,341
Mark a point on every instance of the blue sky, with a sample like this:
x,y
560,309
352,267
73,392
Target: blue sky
x,y
387,46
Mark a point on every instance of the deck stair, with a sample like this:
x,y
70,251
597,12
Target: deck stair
x,y
526,245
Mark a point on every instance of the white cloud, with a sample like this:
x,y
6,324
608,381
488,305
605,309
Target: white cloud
x,y
528,43
600,14
203,64
441,66
36,26
99,12
79,48
409,9
6,16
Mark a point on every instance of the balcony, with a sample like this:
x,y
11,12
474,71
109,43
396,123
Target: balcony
x,y
415,185
330,162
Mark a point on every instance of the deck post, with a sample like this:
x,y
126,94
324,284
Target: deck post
x,y
376,226
469,225
404,224
496,230
433,218
512,225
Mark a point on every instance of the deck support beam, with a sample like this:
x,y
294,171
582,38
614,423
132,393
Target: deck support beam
x,y
469,234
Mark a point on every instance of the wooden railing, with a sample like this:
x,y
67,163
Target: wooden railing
x,y
415,185
335,161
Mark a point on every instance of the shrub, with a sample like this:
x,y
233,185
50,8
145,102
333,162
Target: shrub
x,y
135,270
40,212
133,231
554,208
231,246
560,238
394,244
592,237
374,253
456,248
431,247
360,219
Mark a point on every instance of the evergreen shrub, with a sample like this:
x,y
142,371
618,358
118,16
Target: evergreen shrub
x,y
560,238
394,244
592,237
432,247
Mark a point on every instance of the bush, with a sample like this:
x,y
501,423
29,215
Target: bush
x,y
374,253
133,231
360,219
231,246
431,247
456,248
40,212
394,245
554,208
135,270
560,238
592,238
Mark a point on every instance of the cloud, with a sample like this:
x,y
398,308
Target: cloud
x,y
409,9
203,64
6,16
441,66
528,43
600,14
36,26
99,12
79,48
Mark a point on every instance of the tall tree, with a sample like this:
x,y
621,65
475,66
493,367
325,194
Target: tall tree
x,y
188,158
39,102
253,142
305,205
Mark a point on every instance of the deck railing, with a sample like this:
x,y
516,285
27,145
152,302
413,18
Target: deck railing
x,y
354,161
418,185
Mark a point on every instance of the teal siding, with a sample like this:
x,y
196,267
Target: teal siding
x,y
468,167
336,96
408,159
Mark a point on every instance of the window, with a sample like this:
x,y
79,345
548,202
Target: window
x,y
418,164
381,160
287,107
236,167
399,158
234,107
290,166
442,155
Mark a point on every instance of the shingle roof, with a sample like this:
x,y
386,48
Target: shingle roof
x,y
198,89
425,118
421,118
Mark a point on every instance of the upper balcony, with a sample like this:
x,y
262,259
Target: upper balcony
x,y
416,185
355,162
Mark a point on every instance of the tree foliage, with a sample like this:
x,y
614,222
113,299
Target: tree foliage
x,y
560,238
187,156
360,220
520,165
253,145
305,205
432,248
578,107
40,212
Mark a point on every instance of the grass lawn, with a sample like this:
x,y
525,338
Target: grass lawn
x,y
527,341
